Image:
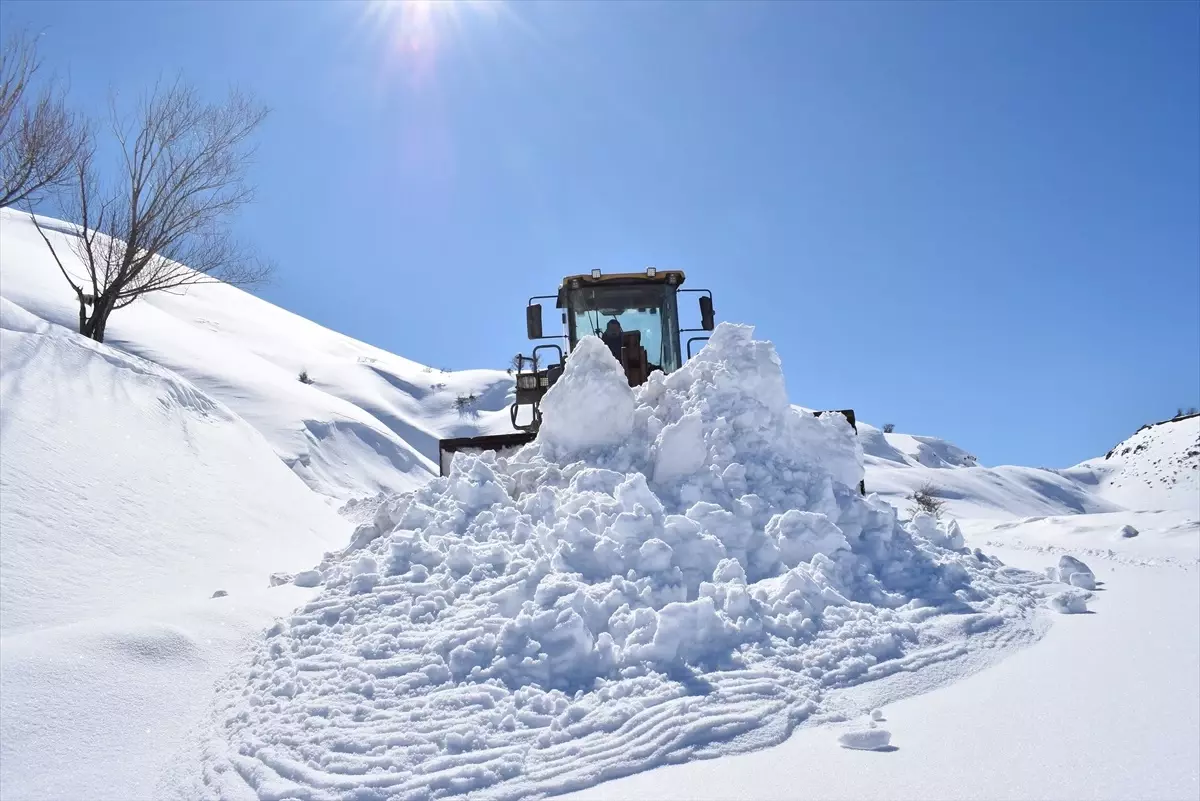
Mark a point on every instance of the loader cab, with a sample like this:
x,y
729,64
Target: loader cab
x,y
644,310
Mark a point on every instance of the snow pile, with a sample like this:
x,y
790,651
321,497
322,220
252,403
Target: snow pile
x,y
542,622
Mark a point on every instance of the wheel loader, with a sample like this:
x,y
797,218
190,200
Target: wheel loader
x,y
637,317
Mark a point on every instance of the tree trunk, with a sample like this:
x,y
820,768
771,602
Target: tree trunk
x,y
93,327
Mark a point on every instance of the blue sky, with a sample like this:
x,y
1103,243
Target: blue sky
x,y
977,221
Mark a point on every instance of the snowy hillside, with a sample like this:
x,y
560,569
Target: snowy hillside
x,y
369,422
128,498
899,464
1157,467
676,591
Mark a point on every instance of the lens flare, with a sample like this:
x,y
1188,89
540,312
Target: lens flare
x,y
416,33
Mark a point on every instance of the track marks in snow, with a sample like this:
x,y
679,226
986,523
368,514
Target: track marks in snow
x,y
535,624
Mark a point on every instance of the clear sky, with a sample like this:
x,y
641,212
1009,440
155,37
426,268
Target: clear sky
x,y
977,221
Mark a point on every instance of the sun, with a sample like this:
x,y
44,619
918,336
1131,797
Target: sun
x,y
424,26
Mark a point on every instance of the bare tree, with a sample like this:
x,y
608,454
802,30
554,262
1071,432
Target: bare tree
x,y
39,138
162,223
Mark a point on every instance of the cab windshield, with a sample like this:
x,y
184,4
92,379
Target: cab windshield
x,y
649,309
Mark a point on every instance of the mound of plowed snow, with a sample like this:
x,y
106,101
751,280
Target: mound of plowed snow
x,y
664,571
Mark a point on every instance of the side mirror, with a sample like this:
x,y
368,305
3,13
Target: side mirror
x,y
706,313
533,320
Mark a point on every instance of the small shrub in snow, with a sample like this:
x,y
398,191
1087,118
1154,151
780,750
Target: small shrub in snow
x,y
925,500
465,405
304,379
889,428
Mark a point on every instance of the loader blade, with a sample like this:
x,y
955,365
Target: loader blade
x,y
501,443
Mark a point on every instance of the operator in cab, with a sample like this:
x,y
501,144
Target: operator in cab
x,y
612,337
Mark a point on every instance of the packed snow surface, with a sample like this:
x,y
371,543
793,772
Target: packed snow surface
x,y
689,570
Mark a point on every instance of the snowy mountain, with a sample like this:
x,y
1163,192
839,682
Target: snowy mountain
x,y
678,584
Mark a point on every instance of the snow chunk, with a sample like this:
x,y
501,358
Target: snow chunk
x,y
680,449
876,714
800,536
866,739
1070,602
307,578
591,405
945,534
1072,571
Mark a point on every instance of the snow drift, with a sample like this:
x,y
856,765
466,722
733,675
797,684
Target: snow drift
x,y
132,484
666,570
127,498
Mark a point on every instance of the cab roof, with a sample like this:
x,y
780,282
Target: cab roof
x,y
671,277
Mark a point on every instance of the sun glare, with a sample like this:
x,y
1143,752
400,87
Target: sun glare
x,y
416,31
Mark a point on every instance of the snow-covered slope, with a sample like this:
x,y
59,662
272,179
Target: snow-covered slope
x,y
897,465
368,423
133,484
1158,467
907,449
128,497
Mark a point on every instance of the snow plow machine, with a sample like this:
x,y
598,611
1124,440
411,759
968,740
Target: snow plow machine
x,y
637,317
